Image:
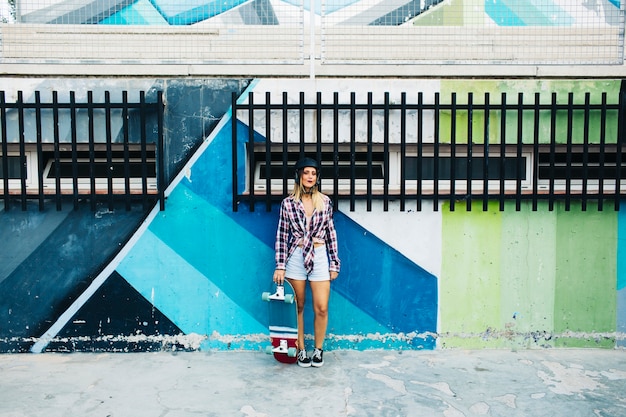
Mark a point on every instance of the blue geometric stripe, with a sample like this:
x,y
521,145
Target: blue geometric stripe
x,y
139,13
527,13
188,12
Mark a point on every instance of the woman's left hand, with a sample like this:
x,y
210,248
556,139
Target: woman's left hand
x,y
333,275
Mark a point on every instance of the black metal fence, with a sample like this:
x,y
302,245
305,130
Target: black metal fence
x,y
71,151
557,150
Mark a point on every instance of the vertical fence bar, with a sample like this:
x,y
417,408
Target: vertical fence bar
x,y
143,147
318,146
520,144
568,154
74,150
503,114
370,138
5,152
336,150
585,175
351,167
402,151
420,150
40,168
386,154
109,150
57,168
535,159
92,151
285,119
301,111
453,116
126,152
22,149
250,152
160,155
603,110
268,155
553,112
436,115
620,142
233,150
486,154
470,140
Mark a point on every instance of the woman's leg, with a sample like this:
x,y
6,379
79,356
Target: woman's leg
x,y
321,293
299,288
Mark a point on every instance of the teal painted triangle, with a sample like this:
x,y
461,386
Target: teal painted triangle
x,y
181,292
217,247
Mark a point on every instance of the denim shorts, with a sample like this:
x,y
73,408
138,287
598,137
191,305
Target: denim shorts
x,y
295,266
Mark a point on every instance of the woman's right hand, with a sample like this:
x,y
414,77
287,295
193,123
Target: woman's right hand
x,y
279,276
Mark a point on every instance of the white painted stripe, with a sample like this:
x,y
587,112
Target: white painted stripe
x,y
283,335
283,329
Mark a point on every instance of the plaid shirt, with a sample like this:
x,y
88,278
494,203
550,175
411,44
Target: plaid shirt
x,y
292,230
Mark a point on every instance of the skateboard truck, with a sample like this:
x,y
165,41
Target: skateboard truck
x,y
278,295
283,347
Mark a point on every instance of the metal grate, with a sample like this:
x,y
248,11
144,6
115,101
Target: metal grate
x,y
56,150
464,150
329,31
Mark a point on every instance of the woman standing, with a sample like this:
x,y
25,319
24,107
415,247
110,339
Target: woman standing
x,y
306,250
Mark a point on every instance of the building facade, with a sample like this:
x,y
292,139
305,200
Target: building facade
x,y
472,211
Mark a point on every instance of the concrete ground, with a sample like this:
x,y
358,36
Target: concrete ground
x,y
448,383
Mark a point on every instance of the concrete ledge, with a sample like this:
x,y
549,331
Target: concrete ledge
x,y
307,70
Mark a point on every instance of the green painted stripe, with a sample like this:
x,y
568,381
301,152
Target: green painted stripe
x,y
528,268
470,277
524,278
586,270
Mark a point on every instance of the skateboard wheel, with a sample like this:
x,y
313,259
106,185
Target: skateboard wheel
x,y
269,349
265,296
289,299
292,352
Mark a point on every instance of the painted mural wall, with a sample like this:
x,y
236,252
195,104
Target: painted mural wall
x,y
274,12
190,277
50,258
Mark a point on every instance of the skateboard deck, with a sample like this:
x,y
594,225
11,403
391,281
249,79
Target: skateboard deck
x,y
283,322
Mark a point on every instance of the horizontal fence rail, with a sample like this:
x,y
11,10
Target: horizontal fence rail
x,y
75,150
464,151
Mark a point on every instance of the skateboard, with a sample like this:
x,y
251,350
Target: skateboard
x,y
283,322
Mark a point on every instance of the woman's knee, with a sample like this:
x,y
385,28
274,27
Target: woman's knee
x,y
321,310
